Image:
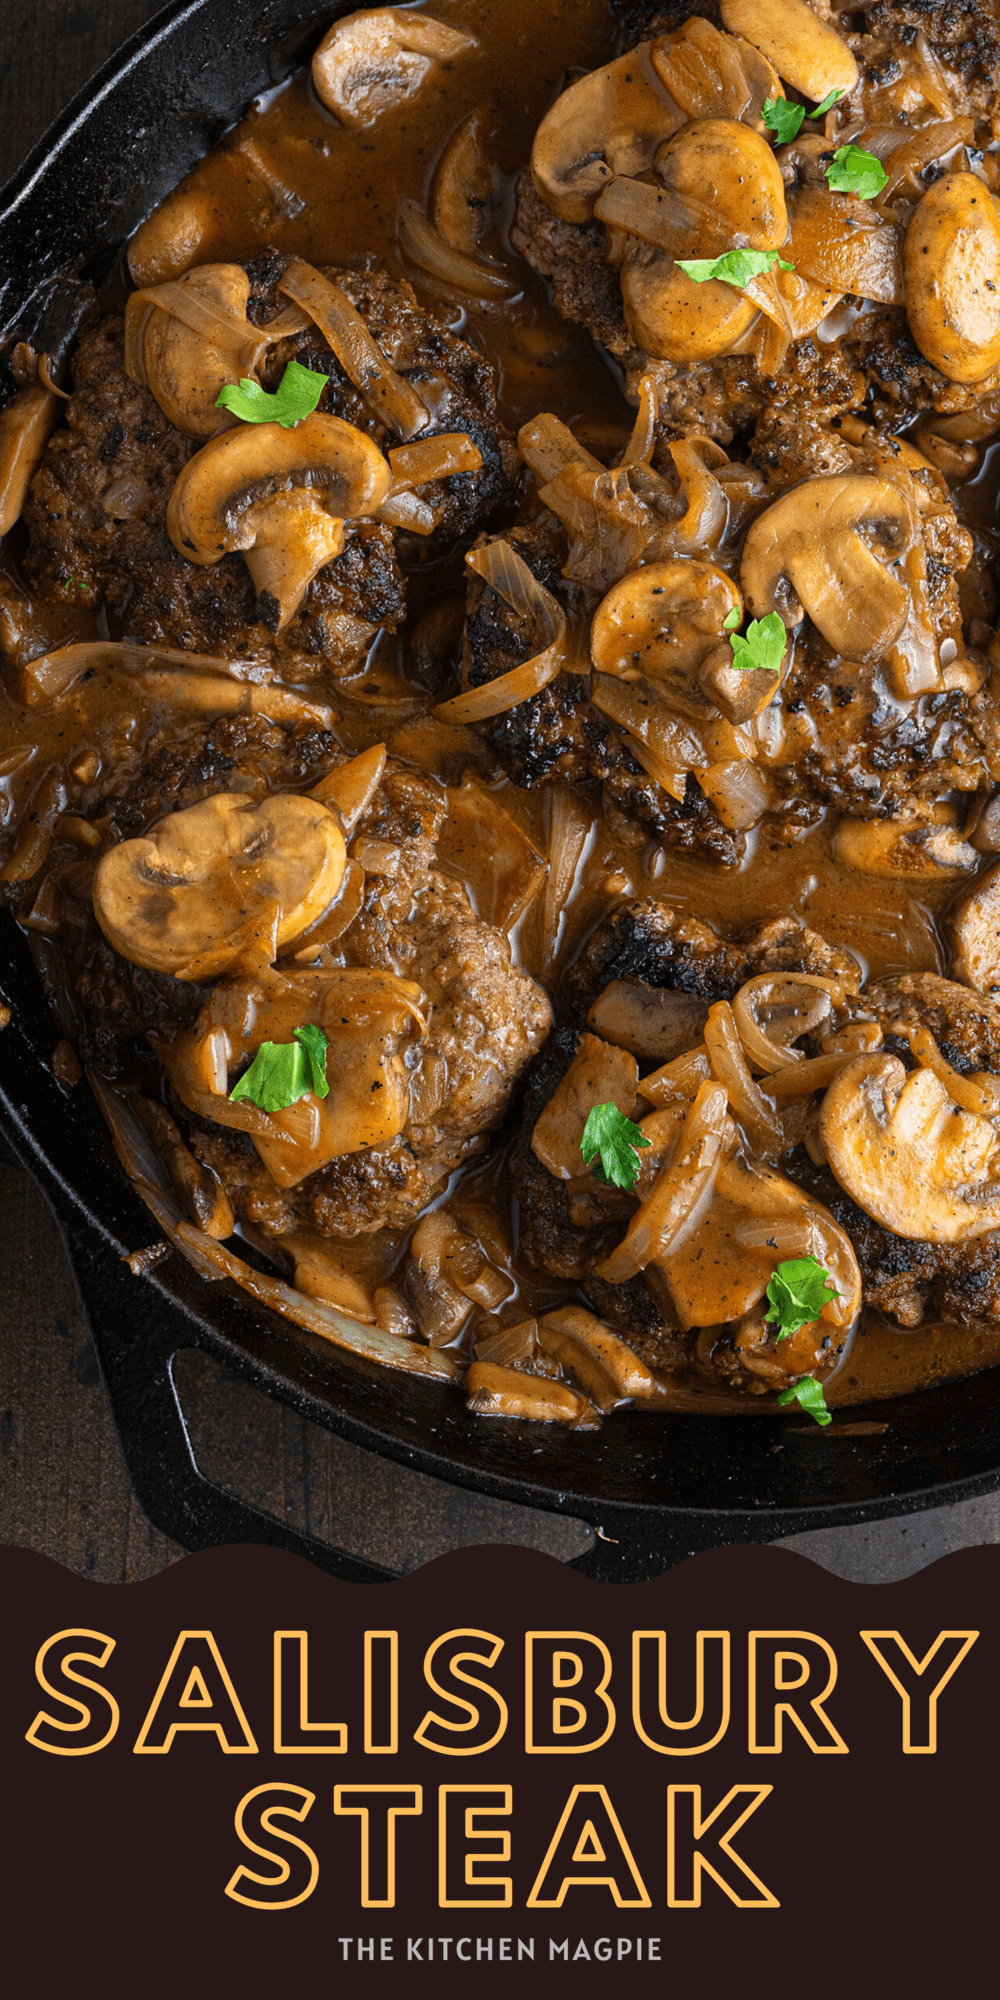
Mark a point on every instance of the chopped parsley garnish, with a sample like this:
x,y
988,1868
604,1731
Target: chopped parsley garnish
x,y
797,1291
784,118
808,1393
295,397
70,581
852,171
282,1072
735,267
763,649
612,1136
732,619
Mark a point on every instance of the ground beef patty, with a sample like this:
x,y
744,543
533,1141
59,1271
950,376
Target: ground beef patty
x,y
96,513
487,1018
954,49
910,1280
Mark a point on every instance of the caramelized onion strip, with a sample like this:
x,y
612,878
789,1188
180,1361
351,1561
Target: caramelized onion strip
x,y
506,573
639,449
756,1113
432,253
978,1092
388,394
805,995
677,1195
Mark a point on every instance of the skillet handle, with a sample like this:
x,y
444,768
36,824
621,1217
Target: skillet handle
x,y
136,1350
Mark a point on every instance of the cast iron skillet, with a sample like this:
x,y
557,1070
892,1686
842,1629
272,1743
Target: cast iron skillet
x,y
657,1489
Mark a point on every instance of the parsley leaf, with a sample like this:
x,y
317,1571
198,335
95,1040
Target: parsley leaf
x,y
783,118
736,267
282,1072
808,1393
853,171
763,649
609,1133
797,1292
296,396
732,619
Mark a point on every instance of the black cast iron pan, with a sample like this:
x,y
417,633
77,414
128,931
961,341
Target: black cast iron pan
x,y
657,1488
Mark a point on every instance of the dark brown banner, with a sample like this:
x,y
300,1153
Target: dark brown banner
x,y
242,1775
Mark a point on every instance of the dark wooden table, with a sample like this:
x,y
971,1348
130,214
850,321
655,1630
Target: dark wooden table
x,y
63,1487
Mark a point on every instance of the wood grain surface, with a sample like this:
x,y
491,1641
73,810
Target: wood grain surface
x,y
63,1487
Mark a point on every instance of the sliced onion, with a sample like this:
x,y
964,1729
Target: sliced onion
x,y
218,324
800,1079
979,1092
637,708
548,445
806,995
408,510
680,1078
677,223
45,377
864,259
677,1196
388,394
569,828
639,449
706,512
739,792
434,254
213,1261
506,573
53,674
757,1113
433,458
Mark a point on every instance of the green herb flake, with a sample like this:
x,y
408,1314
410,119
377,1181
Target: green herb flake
x,y
855,172
69,583
763,649
612,1136
296,396
735,267
783,118
832,97
732,619
282,1072
808,1393
797,1291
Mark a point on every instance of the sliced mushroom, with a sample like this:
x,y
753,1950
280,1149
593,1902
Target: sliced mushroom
x,y
825,549
370,62
976,927
806,50
367,1018
711,75
320,1274
951,262
280,497
845,246
659,623
724,165
598,1074
25,425
794,1004
184,340
930,846
504,1392
462,189
653,1022
608,1371
350,788
610,122
180,899
908,1155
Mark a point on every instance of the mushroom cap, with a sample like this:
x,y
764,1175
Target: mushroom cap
x,y
185,368
951,264
672,318
370,61
728,166
184,898
659,623
805,50
280,496
610,122
817,551
908,1155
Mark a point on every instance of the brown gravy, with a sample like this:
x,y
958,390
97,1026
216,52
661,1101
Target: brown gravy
x,y
288,176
